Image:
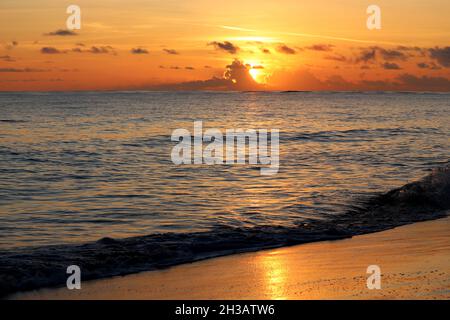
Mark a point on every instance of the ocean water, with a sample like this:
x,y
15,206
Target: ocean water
x,y
77,167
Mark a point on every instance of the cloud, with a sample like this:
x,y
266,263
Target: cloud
x,y
431,66
61,32
366,55
51,50
441,55
389,54
424,83
139,51
96,50
390,66
7,70
7,58
370,55
422,51
225,46
320,47
265,50
170,51
282,48
189,68
102,50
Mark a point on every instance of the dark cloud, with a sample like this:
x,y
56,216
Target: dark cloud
x,y
265,50
441,55
139,51
257,67
431,66
424,83
96,50
421,51
390,66
366,55
282,48
62,33
7,70
51,50
225,46
389,54
320,47
101,50
189,68
7,58
207,67
171,51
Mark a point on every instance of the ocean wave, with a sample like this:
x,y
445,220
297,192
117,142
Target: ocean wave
x,y
31,268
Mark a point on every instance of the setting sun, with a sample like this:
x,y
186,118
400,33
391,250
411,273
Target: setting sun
x,y
256,71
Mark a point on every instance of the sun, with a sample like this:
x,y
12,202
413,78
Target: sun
x,y
256,71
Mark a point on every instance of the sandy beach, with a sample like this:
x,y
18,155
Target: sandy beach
x,y
413,260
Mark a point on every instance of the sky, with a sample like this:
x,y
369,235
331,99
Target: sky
x,y
224,45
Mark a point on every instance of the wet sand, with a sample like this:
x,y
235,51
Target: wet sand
x,y
414,262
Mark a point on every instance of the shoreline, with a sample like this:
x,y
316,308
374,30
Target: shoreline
x,y
413,260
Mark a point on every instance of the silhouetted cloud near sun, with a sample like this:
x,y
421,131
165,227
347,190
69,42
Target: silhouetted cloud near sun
x,y
225,46
236,77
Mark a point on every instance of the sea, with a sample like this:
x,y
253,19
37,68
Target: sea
x,y
76,167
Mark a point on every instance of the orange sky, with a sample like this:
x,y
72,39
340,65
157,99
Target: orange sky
x,y
268,45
